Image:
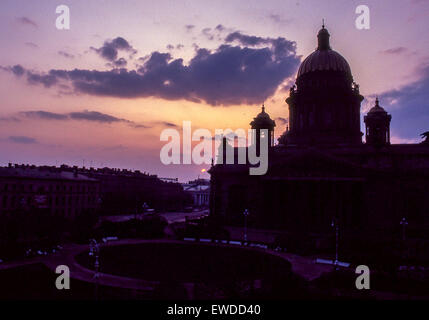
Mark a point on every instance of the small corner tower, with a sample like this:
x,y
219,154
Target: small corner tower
x,y
260,122
377,123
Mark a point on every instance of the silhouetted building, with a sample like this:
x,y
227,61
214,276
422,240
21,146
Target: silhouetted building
x,y
61,193
199,190
71,191
124,191
321,169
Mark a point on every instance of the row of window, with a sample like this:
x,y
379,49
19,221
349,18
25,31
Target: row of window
x,y
22,201
48,188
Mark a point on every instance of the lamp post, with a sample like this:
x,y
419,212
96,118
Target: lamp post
x,y
145,206
335,225
404,224
94,250
246,214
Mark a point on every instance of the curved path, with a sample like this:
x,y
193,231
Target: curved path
x,y
304,267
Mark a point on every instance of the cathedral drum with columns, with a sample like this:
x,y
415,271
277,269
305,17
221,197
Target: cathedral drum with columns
x,y
321,170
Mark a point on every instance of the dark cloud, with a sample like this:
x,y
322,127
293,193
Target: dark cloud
x,y
27,21
95,116
395,51
168,124
111,48
409,107
18,70
47,80
140,126
246,73
22,139
281,47
66,54
220,28
120,63
246,39
85,115
44,115
282,121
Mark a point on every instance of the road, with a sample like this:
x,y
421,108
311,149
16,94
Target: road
x,y
171,217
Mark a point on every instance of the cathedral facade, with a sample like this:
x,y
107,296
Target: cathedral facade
x,y
321,170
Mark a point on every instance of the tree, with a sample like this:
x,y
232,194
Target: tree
x,y
425,135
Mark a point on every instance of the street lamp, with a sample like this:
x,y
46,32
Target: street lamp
x,y
335,225
335,262
145,206
404,224
245,213
94,250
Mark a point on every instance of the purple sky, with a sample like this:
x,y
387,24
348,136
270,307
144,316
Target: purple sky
x,y
101,92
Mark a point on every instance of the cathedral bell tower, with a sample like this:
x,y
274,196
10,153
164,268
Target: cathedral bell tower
x,y
377,123
263,121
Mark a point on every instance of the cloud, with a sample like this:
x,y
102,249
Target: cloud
x,y
120,63
85,115
189,27
409,106
167,124
111,48
207,33
247,72
282,121
22,139
66,54
17,70
27,22
220,28
246,39
10,119
215,33
44,115
47,80
95,116
395,51
80,115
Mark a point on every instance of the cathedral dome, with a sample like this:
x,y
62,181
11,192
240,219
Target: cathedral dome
x,y
324,58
